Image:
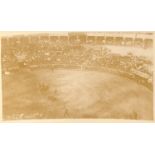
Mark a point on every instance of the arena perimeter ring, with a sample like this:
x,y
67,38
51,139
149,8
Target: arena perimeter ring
x,y
73,93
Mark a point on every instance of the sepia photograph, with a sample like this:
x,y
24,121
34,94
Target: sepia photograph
x,y
77,75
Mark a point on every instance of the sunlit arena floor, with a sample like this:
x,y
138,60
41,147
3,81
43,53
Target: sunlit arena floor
x,y
74,94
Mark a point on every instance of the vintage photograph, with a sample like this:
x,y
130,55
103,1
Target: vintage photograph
x,y
77,75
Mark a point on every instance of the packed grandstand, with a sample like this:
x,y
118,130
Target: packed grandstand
x,y
84,51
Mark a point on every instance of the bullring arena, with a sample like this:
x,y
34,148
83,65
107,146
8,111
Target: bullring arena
x,y
78,75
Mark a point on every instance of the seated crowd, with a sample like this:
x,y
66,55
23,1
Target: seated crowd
x,y
75,55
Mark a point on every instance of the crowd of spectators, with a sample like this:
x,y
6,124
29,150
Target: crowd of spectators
x,y
66,54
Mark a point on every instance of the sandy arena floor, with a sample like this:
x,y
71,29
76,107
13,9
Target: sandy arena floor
x,y
74,94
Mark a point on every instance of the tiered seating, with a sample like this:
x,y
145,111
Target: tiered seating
x,y
40,52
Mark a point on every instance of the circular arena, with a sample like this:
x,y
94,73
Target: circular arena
x,y
46,78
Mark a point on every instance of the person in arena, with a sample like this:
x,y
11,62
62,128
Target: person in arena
x,y
43,87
